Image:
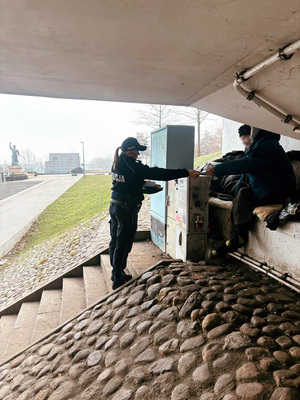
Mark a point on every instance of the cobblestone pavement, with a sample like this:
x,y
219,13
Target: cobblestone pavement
x,y
23,272
186,331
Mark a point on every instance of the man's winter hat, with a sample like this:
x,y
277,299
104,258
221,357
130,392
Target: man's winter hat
x,y
244,130
131,144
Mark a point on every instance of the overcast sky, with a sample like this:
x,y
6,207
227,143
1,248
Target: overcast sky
x,y
47,125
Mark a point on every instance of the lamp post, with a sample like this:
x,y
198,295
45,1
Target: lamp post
x,y
83,164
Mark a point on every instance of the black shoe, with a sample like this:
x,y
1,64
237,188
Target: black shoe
x,y
235,243
229,246
118,282
127,277
220,251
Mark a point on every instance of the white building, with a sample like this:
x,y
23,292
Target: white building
x,y
62,163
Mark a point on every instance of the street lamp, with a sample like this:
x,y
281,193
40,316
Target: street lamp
x,y
83,164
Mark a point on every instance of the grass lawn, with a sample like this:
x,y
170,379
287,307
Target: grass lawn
x,y
208,157
88,197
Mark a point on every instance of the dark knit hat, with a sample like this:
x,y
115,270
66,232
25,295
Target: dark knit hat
x,y
244,130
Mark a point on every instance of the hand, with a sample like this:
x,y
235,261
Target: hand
x,y
193,174
210,171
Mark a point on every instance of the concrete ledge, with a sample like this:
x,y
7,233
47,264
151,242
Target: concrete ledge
x,y
12,241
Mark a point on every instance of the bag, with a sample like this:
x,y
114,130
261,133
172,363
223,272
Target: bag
x,y
291,212
231,156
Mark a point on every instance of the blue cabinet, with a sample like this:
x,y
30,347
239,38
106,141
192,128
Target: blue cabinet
x,y
172,147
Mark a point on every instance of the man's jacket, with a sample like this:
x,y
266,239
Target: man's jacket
x,y
130,174
266,166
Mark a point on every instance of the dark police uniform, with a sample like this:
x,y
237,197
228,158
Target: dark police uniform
x,y
126,200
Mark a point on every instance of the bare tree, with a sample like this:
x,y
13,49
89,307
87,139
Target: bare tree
x,y
211,141
103,163
194,116
144,139
4,166
155,116
28,159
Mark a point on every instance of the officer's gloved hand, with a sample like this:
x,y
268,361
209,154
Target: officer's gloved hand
x,y
194,174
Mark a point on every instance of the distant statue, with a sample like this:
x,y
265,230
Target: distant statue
x,y
15,155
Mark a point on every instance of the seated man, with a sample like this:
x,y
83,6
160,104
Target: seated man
x,y
245,136
269,177
244,132
225,188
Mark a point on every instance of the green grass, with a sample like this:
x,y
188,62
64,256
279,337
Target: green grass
x,y
208,157
85,199
88,197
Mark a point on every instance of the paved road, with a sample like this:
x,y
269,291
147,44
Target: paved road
x,y
18,212
8,189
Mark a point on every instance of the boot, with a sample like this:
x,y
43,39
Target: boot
x,y
231,245
118,281
235,242
127,277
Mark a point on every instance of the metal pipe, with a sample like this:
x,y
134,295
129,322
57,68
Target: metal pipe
x,y
262,103
283,54
289,282
266,268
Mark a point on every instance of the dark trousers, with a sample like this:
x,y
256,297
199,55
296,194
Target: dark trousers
x,y
123,225
242,210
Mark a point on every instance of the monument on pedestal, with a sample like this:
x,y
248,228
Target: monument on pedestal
x,y
15,167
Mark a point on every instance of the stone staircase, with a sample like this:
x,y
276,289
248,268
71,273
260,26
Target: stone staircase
x,y
37,314
37,318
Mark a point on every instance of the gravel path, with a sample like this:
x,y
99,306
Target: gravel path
x,y
22,272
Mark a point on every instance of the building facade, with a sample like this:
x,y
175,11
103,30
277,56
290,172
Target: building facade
x,y
62,163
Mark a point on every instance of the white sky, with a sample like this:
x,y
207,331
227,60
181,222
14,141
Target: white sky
x,y
47,125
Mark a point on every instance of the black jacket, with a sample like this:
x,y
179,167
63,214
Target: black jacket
x,y
130,174
266,166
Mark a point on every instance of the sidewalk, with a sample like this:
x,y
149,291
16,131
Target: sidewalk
x,y
18,212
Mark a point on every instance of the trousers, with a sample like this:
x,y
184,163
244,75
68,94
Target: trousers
x,y
243,206
123,225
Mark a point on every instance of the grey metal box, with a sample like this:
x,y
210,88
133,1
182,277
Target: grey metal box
x,y
171,147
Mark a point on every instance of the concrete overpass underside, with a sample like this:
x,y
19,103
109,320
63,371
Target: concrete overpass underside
x,y
182,52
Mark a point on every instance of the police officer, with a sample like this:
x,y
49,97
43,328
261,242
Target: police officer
x,y
128,177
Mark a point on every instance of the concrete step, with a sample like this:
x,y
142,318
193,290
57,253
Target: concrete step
x,y
106,269
22,332
73,298
143,255
7,323
94,284
130,268
48,314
